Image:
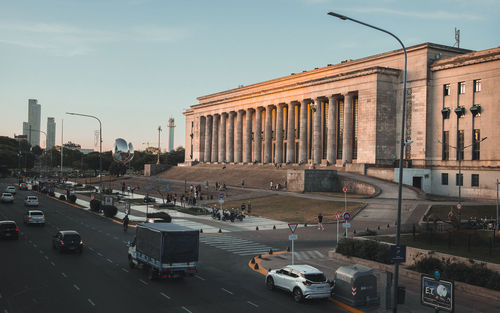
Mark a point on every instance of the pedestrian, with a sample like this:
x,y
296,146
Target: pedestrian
x,y
320,222
271,185
125,223
242,183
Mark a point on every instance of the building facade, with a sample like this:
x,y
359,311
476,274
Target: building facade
x,y
349,115
51,133
32,128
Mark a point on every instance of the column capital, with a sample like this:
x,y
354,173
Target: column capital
x,y
259,109
250,109
224,114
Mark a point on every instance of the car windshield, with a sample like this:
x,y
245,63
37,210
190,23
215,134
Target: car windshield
x,y
6,194
72,237
7,225
36,213
316,278
32,198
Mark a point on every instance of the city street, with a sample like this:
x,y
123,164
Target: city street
x,y
37,278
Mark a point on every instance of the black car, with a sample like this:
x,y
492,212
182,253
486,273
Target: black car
x,y
8,230
68,240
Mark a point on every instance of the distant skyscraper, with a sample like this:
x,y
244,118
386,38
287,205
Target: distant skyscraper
x,y
32,128
51,133
171,127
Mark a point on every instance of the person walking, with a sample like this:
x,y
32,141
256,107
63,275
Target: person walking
x,y
125,223
320,222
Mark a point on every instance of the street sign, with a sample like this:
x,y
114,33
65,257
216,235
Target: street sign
x,y
293,237
221,196
459,206
293,228
338,216
397,254
346,225
344,189
347,216
438,294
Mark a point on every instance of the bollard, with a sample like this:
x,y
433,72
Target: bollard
x,y
220,230
201,230
388,226
355,231
305,225
274,226
260,256
288,249
253,261
256,266
270,251
378,227
256,227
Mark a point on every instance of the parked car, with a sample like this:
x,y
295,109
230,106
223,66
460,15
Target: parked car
x,y
8,230
11,189
303,281
68,240
31,201
7,197
34,217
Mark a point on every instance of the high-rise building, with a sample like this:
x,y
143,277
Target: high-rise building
x,y
32,128
51,133
171,127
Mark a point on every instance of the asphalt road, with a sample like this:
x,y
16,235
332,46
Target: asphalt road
x,y
36,278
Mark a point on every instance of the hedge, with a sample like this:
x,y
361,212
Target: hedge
x,y
95,205
365,249
474,274
109,210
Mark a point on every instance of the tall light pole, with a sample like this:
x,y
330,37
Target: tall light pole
x,y
100,143
401,152
460,180
159,149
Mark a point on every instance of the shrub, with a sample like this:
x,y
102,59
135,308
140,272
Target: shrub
x,y
72,198
95,205
366,249
62,197
109,210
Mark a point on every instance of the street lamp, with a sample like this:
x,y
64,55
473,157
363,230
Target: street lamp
x,y
401,152
460,180
100,143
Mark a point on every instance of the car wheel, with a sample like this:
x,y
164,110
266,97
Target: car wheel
x,y
270,283
152,274
297,294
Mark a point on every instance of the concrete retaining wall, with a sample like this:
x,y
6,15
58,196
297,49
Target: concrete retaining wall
x,y
153,169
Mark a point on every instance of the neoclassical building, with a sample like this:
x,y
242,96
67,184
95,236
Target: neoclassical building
x,y
347,115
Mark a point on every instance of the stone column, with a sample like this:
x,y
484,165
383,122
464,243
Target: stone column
x,y
222,138
303,133
317,132
268,135
248,137
331,152
215,138
279,134
230,138
208,138
257,135
290,142
239,136
347,142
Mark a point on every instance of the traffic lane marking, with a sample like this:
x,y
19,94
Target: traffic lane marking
x,y
164,295
229,292
91,302
185,309
251,303
199,277
142,281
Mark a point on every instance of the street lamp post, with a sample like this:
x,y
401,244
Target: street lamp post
x,y
401,152
460,180
100,143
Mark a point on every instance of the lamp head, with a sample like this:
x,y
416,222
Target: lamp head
x,y
340,16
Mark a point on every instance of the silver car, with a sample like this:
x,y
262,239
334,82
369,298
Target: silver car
x,y
7,197
31,201
303,281
34,217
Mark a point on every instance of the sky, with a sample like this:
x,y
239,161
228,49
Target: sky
x,y
136,63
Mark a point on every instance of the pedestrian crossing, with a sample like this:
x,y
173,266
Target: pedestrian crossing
x,y
197,226
235,245
308,255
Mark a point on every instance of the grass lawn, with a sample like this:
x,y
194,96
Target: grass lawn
x,y
294,209
466,243
468,211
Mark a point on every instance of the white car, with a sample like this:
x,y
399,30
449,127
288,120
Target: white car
x,y
7,197
11,189
303,281
31,201
34,217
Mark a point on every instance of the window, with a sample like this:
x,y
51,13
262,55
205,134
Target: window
x,y
476,144
460,145
474,180
461,88
459,179
444,178
446,146
477,85
446,90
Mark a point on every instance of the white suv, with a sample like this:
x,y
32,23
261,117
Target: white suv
x,y
31,201
303,281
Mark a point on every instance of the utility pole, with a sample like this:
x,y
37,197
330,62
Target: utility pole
x,y
159,148
62,144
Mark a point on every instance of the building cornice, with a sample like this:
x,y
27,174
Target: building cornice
x,y
467,59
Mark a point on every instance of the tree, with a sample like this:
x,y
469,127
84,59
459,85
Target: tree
x,y
36,150
117,169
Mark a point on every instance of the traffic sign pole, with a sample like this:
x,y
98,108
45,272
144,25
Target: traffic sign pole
x,y
292,253
344,189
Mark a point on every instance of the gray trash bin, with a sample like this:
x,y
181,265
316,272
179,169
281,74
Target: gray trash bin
x,y
356,285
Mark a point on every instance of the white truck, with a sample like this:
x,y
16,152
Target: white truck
x,y
165,250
